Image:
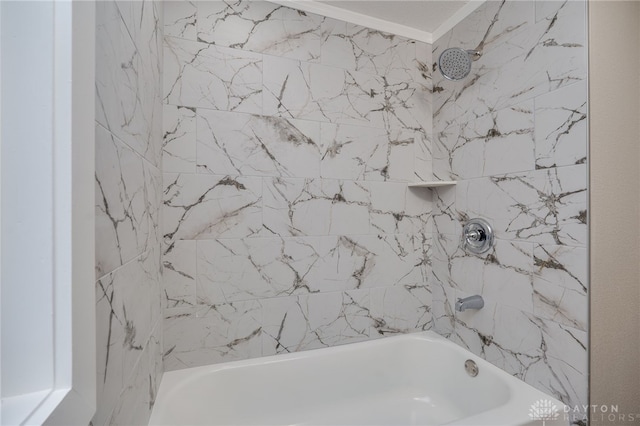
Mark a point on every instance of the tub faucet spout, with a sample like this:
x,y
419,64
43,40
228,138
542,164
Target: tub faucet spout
x,y
471,302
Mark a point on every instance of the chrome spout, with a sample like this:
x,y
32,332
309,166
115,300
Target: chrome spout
x,y
471,302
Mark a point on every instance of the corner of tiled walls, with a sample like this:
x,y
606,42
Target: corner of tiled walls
x,y
289,139
128,199
514,136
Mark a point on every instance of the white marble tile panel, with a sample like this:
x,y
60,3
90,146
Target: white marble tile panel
x,y
254,268
561,127
256,145
317,92
210,206
366,153
521,59
388,215
401,309
563,266
179,141
179,274
262,27
180,19
358,48
208,76
294,207
234,326
544,206
498,142
122,216
314,321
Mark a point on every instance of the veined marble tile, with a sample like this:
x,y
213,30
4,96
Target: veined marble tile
x,y
442,306
244,144
502,275
521,58
423,161
294,207
153,197
561,127
357,48
388,202
180,19
127,79
180,272
254,268
209,206
547,355
212,334
179,145
122,216
262,27
317,92
445,216
419,207
366,153
126,307
135,403
401,309
564,266
208,76
544,206
561,284
498,142
314,321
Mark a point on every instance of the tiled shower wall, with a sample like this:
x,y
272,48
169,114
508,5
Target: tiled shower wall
x,y
287,222
514,136
128,199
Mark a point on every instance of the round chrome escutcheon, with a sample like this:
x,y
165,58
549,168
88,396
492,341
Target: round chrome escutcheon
x,y
477,236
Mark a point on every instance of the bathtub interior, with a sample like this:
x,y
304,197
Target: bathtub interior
x,y
392,381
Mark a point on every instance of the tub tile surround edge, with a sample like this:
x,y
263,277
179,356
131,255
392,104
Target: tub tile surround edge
x,y
287,221
528,90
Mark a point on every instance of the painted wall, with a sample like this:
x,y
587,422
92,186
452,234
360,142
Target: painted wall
x,y
128,198
614,102
289,139
514,136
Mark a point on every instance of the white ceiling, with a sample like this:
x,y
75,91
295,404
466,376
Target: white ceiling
x,y
422,15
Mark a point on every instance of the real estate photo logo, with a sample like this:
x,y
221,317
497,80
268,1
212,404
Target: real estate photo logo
x,y
544,410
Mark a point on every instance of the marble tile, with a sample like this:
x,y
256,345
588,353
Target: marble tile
x,y
314,321
295,207
255,268
547,355
179,141
401,309
256,145
544,206
423,157
418,209
521,58
358,48
564,266
122,216
561,127
207,76
442,306
180,19
135,403
180,272
262,27
211,334
366,153
496,143
210,206
125,83
315,92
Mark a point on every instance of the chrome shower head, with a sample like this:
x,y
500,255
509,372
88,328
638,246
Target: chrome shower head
x,y
455,63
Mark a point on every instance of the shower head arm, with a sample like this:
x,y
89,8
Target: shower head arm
x,y
475,54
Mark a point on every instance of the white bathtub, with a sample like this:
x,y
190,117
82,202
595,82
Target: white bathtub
x,y
415,379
